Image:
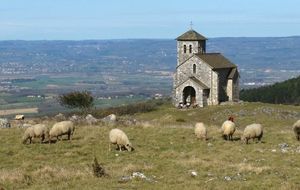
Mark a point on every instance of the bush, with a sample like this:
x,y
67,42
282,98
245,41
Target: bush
x,y
82,100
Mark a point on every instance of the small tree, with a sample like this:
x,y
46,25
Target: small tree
x,y
82,100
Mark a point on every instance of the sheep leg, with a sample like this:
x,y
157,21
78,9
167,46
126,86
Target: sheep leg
x,y
30,139
43,138
69,135
298,137
120,148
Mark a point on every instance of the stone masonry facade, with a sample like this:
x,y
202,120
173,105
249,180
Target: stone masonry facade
x,y
202,79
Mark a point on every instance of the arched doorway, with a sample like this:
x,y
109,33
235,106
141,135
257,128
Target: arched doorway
x,y
189,96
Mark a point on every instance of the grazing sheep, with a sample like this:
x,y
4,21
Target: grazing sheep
x,y
62,128
36,131
227,129
118,137
252,131
200,131
296,128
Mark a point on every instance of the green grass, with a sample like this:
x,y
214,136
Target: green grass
x,y
166,151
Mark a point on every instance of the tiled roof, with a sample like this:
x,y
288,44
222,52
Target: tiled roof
x,y
191,35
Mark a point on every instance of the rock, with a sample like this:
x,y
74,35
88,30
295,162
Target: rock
x,y
25,125
283,145
112,118
60,117
273,150
4,123
209,144
194,173
284,150
227,178
90,119
74,118
124,179
138,175
298,149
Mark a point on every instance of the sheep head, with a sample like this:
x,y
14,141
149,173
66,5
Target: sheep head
x,y
129,147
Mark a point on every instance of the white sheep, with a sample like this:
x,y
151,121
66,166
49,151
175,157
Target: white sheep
x,y
118,137
252,131
227,129
296,128
36,131
200,131
62,128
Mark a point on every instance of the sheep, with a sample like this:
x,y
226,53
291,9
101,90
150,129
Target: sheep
x,y
62,128
252,131
228,128
200,131
19,117
296,128
118,137
38,130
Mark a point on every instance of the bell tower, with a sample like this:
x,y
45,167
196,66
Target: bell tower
x,y
188,44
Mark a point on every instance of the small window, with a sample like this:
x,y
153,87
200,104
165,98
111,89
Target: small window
x,y
194,68
191,48
184,49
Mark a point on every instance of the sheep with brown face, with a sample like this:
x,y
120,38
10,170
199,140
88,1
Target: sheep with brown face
x,y
296,129
118,137
227,129
36,131
62,128
252,131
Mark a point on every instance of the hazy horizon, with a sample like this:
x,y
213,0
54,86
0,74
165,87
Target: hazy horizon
x,y
135,19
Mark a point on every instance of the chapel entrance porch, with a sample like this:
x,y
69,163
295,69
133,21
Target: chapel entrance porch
x,y
189,96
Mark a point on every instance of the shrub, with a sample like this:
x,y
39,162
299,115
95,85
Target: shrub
x,y
82,100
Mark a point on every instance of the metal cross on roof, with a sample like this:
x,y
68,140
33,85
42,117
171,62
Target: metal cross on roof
x,y
191,25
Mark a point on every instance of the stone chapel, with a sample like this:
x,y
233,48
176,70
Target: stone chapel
x,y
201,78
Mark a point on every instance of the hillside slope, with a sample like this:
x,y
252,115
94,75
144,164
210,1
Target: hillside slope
x,y
166,152
287,92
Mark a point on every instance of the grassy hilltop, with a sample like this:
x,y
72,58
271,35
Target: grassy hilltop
x,y
166,151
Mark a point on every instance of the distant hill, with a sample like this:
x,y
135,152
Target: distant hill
x,y
287,92
144,54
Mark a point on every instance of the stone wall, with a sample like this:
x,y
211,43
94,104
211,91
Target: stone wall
x,y
214,97
185,71
223,74
179,93
181,56
236,88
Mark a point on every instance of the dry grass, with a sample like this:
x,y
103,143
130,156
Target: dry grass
x,y
166,151
18,111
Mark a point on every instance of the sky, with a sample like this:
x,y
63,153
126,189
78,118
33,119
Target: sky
x,y
134,19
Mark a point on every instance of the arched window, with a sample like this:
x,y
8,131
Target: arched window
x,y
184,49
190,48
194,68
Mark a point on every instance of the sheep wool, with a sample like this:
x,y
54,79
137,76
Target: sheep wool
x,y
228,128
296,129
62,128
252,131
118,137
36,131
200,131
